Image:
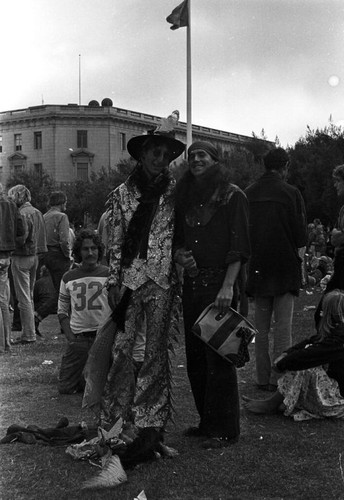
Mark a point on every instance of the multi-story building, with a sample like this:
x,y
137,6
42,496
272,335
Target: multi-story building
x,y
69,142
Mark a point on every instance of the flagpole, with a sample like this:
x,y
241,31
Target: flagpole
x,y
79,79
188,80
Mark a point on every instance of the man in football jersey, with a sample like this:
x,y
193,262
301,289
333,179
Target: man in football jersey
x,y
82,308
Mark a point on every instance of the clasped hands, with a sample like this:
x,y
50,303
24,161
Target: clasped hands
x,y
185,258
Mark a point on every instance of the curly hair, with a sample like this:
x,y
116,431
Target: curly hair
x,y
91,235
20,194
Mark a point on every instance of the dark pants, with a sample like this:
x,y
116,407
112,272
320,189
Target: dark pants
x,y
16,321
57,265
213,381
73,362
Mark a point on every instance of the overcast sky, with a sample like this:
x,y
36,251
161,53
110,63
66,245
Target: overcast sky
x,y
272,64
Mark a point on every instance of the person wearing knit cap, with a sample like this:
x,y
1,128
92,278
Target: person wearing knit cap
x,y
25,260
277,230
205,146
211,243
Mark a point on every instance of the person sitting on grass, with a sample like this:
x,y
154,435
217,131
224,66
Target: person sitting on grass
x,y
82,307
312,380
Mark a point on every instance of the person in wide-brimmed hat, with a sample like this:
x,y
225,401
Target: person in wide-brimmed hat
x,y
161,135
140,226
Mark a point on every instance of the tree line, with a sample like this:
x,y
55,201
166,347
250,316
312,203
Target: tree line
x,y
313,158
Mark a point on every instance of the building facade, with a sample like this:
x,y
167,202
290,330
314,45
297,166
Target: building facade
x,y
69,142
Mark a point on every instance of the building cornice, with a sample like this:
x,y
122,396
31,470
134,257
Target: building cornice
x,y
74,112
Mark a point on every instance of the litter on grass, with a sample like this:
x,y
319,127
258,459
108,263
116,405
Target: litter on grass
x,y
111,475
141,496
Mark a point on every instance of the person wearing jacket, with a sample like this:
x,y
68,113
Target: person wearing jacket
x,y
312,380
211,243
11,233
141,282
278,233
25,260
58,258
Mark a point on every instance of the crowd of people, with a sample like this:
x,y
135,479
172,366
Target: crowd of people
x,y
203,240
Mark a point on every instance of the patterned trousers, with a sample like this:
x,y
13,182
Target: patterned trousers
x,y
143,398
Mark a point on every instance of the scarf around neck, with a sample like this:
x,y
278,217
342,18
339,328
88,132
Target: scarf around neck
x,y
136,238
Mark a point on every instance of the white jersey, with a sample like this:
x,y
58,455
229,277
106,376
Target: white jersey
x,y
83,298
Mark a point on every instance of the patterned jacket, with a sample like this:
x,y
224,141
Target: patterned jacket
x,y
123,202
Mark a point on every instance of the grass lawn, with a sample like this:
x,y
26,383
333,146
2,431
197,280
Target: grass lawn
x,y
276,458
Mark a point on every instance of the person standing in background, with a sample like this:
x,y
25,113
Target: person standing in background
x,y
12,234
25,260
58,258
337,234
277,231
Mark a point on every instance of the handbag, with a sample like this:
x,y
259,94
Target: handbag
x,y
229,334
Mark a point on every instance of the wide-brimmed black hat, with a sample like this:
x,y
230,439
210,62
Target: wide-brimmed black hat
x,y
162,135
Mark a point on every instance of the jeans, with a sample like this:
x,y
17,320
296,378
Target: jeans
x,y
73,362
281,308
5,318
58,264
213,380
24,277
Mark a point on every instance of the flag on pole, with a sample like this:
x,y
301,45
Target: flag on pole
x,y
179,16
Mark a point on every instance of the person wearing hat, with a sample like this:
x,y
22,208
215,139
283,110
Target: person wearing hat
x,y
211,243
277,231
24,260
140,227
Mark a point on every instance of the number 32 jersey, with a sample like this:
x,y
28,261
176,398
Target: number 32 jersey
x,y
83,298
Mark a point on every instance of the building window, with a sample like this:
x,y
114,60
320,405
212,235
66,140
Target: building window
x,y
38,169
82,171
81,138
18,168
123,141
17,142
0,143
37,140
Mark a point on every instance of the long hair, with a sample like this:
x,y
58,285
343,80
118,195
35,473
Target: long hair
x,y
332,312
190,193
83,235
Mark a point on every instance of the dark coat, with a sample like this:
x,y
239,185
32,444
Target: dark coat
x,y
12,230
277,224
314,352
